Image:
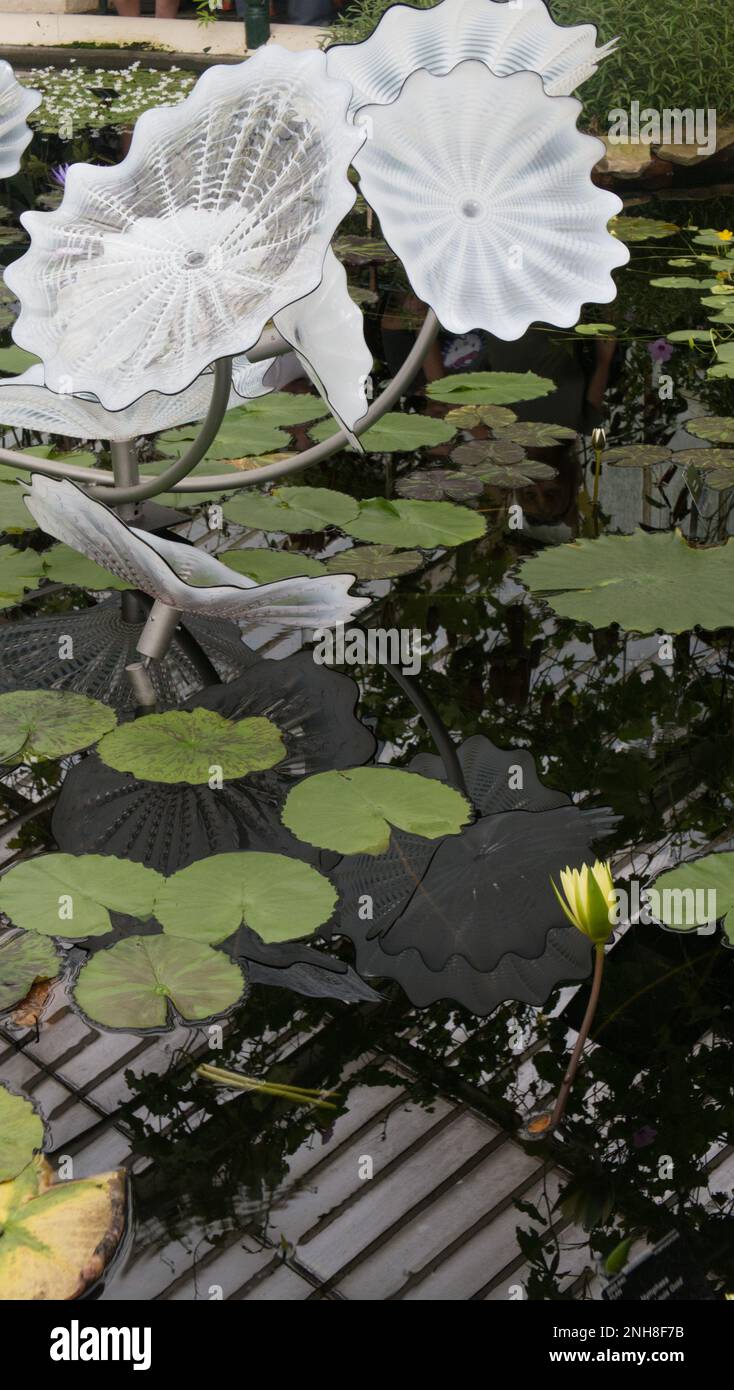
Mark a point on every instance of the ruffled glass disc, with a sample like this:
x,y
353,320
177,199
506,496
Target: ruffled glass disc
x,y
103,642
482,186
472,918
16,102
170,825
26,403
219,216
508,38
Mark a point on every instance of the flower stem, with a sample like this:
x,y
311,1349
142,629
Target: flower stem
x,y
569,1078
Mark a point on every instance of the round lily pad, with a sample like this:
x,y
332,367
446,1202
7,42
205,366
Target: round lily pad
x,y
257,427
718,428
438,483
596,330
689,335
467,417
637,455
132,984
474,456
58,1237
278,897
681,282
21,1131
19,570
489,388
643,582
705,458
631,229
71,895
353,811
424,524
396,432
292,509
687,890
536,434
67,566
498,463
374,562
50,723
192,746
23,960
267,566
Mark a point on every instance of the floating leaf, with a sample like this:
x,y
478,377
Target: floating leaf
x,y
14,360
293,509
277,897
536,434
21,1131
489,388
631,229
643,582
596,330
498,463
192,746
396,433
436,483
67,566
681,282
19,570
58,1237
14,515
133,983
467,417
708,236
705,458
637,455
684,892
257,427
425,524
50,723
71,895
718,428
689,335
23,960
353,811
374,562
267,566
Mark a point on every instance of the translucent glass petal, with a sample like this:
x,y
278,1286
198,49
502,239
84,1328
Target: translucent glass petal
x,y
219,216
508,38
183,576
482,187
16,102
26,403
326,328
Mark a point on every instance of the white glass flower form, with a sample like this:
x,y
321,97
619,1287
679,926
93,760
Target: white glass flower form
x,y
326,329
26,403
219,216
183,576
16,102
482,187
508,38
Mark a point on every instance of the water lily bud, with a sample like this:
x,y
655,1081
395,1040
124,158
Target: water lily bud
x,y
598,440
588,899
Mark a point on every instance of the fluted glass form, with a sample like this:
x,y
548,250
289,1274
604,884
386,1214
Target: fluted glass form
x,y
16,103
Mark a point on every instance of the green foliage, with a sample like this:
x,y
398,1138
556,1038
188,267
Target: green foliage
x,y
49,724
133,983
352,811
23,960
21,1131
192,746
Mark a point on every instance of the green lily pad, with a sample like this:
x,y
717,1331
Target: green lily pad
x,y
133,983
596,330
536,434
21,1131
267,566
192,746
353,811
467,417
637,455
643,582
718,428
438,483
14,360
81,458
293,509
681,282
423,524
396,433
630,229
14,515
19,570
23,960
705,458
374,562
67,566
277,897
725,371
257,427
499,463
72,896
689,335
708,236
489,388
714,873
50,723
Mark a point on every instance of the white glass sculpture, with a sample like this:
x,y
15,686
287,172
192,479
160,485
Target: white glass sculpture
x,y
16,102
26,403
507,37
326,328
182,576
219,216
482,187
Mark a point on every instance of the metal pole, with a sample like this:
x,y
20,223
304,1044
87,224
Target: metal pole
x,y
125,472
160,626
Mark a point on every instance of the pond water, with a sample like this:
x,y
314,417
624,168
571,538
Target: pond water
x,y
416,1184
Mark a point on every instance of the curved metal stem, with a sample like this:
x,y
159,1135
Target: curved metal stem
x,y
445,745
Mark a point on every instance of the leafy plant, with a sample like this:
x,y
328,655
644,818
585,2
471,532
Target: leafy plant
x,y
191,746
21,1132
49,724
352,811
134,983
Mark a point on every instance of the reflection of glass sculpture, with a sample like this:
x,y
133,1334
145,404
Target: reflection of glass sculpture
x,y
16,102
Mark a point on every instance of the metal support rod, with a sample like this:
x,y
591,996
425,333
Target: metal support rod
x,y
142,685
445,746
160,626
125,472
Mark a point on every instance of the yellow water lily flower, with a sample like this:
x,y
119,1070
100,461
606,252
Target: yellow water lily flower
x,y
726,235
588,899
